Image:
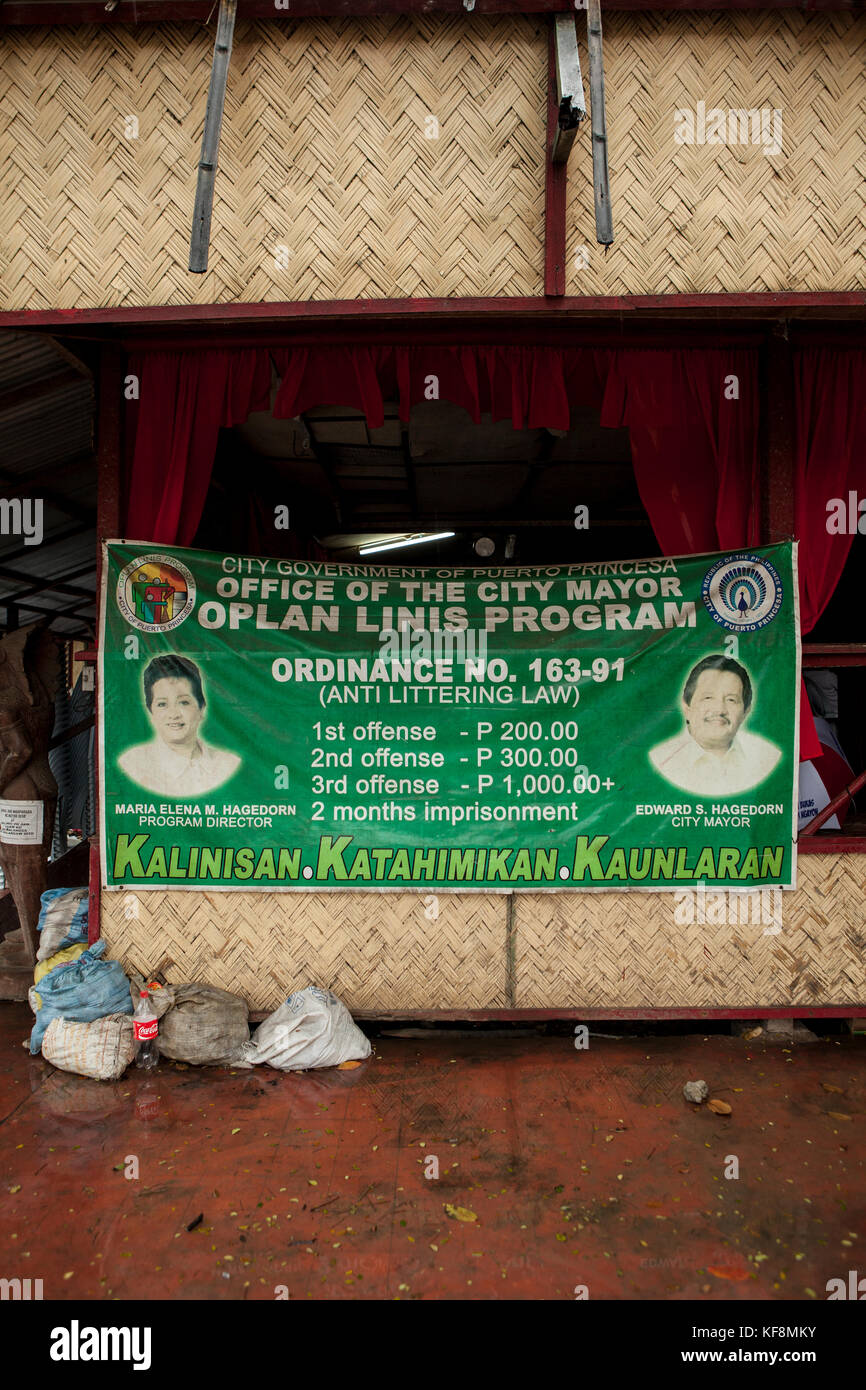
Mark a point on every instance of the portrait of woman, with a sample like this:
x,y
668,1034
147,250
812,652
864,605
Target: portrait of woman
x,y
176,762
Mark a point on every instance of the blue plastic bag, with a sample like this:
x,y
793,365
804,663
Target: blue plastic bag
x,y
87,988
62,920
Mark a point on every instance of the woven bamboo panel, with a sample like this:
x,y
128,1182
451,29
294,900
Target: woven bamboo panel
x,y
626,949
707,218
375,952
571,950
324,154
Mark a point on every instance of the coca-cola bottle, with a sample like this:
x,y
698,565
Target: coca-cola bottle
x,y
146,1028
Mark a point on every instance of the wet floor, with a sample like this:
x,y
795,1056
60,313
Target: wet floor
x,y
476,1167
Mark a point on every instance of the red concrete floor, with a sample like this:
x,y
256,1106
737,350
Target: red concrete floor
x,y
581,1168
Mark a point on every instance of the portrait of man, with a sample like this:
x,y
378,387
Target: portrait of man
x,y
715,755
176,762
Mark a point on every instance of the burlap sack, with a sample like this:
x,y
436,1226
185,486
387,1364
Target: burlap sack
x,y
161,999
206,1026
102,1049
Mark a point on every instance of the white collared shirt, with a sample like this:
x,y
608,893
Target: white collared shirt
x,y
161,769
683,762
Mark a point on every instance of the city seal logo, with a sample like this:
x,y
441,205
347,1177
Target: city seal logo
x,y
156,593
742,592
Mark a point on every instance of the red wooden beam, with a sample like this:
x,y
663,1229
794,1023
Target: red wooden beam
x,y
72,12
555,182
108,519
833,844
832,807
590,1015
765,304
834,654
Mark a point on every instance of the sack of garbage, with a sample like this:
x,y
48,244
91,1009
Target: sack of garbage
x,y
102,1049
313,1028
87,988
62,920
45,967
205,1026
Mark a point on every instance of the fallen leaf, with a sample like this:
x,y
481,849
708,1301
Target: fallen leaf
x,y
728,1272
17,1188
834,1090
719,1107
460,1213
347,1066
753,1033
236,1131
837,1115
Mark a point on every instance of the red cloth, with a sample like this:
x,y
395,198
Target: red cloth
x,y
694,442
694,450
830,405
184,400
830,460
697,468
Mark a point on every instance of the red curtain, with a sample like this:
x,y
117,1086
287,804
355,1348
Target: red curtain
x,y
534,387
184,400
691,414
830,406
693,425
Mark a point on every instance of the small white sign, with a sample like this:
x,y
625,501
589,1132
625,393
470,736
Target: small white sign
x,y
21,822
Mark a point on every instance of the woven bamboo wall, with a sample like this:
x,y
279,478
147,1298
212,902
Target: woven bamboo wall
x,y
324,153
572,950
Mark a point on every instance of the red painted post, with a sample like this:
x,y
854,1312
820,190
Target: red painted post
x,y
108,524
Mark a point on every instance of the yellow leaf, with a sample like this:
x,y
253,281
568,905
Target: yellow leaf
x,y
834,1090
460,1213
236,1131
719,1107
837,1115
347,1066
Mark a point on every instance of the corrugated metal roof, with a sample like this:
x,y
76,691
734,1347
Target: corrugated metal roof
x,y
46,456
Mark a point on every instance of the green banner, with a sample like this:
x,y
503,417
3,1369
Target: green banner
x,y
275,724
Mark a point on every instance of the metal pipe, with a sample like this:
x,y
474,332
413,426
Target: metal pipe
x,y
210,142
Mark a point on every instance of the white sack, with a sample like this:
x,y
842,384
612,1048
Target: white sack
x,y
313,1028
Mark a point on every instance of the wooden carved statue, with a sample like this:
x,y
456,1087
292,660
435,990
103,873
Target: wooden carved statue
x,y
30,672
